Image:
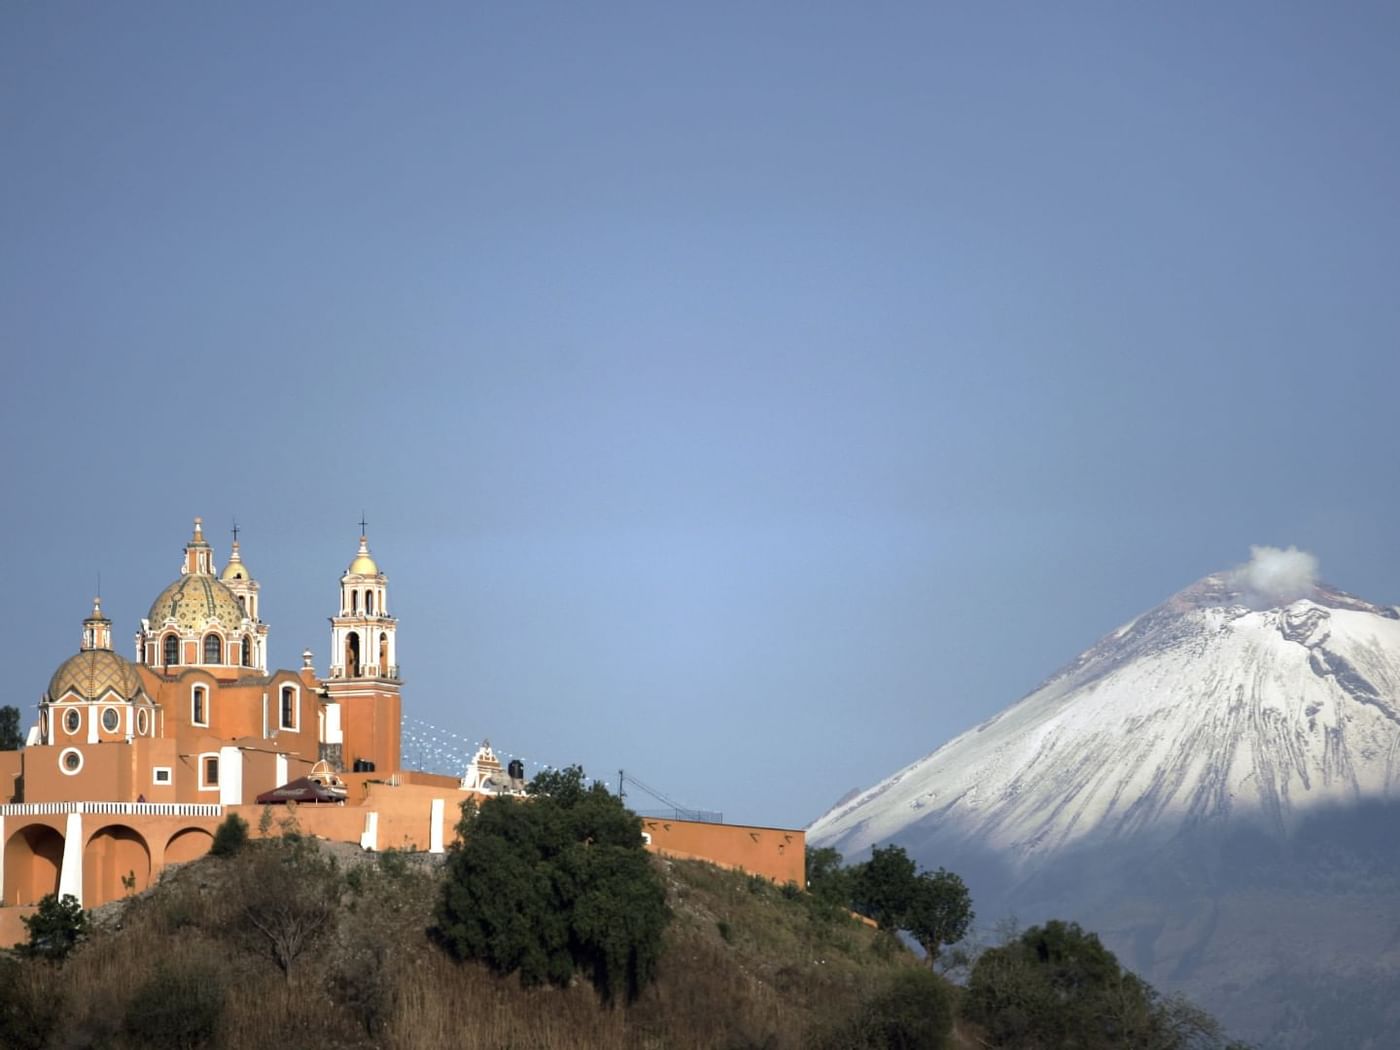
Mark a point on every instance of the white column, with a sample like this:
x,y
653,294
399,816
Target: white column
x,y
92,724
2,856
370,839
70,876
281,770
435,827
230,776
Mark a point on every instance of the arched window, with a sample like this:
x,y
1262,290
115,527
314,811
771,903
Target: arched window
x,y
199,705
352,655
247,651
369,603
289,707
172,650
354,601
383,656
213,649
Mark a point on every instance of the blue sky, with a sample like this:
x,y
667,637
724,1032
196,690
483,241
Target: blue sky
x,y
751,396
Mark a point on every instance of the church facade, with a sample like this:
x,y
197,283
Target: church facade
x,y
198,717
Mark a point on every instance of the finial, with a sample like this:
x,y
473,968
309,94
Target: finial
x,y
199,530
235,534
97,607
306,657
364,527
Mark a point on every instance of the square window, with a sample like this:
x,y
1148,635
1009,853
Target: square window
x,y
161,775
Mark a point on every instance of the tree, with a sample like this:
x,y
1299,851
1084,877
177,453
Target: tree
x,y
884,886
10,737
288,896
553,884
55,929
230,837
940,912
826,878
1058,986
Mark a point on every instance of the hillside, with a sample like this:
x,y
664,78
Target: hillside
x,y
745,964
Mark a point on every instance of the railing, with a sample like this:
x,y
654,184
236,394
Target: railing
x,y
110,809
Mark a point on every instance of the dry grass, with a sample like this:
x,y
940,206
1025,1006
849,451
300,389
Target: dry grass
x,y
745,965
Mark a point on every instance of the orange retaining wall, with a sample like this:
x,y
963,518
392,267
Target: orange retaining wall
x,y
779,854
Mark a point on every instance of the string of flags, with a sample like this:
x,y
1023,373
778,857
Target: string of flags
x,y
434,749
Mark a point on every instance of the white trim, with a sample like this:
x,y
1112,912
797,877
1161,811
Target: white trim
x,y
129,809
230,776
156,778
200,759
370,838
143,722
64,720
70,877
295,726
435,826
117,715
63,767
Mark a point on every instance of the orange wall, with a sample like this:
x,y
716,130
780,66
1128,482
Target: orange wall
x,y
776,853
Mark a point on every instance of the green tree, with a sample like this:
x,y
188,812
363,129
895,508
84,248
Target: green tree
x,y
884,886
1057,986
10,737
826,878
940,911
55,929
230,837
553,884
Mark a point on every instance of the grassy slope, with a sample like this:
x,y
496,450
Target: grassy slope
x,y
745,966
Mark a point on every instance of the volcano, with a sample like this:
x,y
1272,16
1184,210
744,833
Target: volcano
x,y
1214,788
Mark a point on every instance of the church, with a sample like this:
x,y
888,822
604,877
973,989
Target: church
x,y
131,765
198,717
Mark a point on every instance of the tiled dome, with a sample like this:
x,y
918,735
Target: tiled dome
x,y
194,602
92,674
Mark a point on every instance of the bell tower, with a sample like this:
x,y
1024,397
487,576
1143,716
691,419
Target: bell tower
x,y
364,668
239,579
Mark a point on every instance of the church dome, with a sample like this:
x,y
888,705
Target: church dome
x,y
235,570
193,602
93,673
363,564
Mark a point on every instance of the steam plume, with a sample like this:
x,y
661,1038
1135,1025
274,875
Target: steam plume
x,y
1275,576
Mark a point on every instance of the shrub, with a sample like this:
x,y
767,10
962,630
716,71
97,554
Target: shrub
x,y
912,1011
29,1011
552,885
55,929
231,836
177,1008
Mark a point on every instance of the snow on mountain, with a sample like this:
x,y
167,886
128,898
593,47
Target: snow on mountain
x,y
1204,711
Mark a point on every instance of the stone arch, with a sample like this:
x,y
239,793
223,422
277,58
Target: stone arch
x,y
114,853
33,863
188,844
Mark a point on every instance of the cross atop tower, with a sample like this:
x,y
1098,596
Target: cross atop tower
x,y
363,524
235,532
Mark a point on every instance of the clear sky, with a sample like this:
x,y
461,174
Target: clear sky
x,y
750,395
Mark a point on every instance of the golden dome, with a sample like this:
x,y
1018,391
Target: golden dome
x,y
363,564
235,569
194,602
93,673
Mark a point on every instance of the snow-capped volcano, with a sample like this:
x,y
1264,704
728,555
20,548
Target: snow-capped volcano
x,y
1214,788
1202,710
